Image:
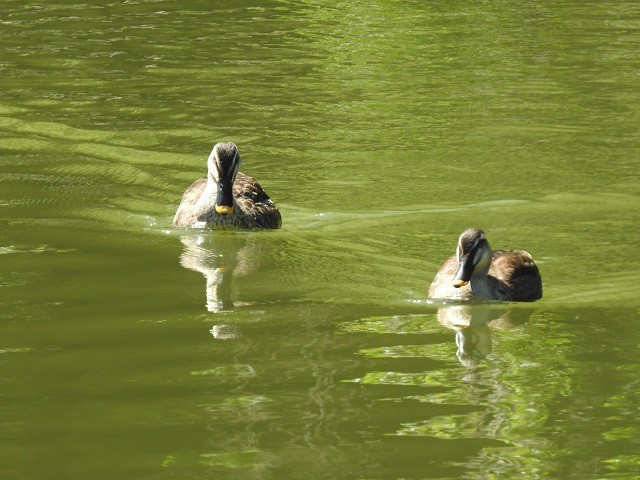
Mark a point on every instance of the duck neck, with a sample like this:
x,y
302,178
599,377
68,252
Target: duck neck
x,y
480,285
207,200
208,196
212,185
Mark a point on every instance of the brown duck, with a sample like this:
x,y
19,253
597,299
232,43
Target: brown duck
x,y
476,271
227,198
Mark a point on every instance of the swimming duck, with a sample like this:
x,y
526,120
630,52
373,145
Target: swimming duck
x,y
476,271
227,197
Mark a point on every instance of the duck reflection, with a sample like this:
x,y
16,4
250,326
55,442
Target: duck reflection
x,y
220,258
473,325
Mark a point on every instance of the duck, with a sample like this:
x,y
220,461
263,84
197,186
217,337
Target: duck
x,y
226,198
477,271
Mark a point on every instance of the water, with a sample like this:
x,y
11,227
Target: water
x,y
130,349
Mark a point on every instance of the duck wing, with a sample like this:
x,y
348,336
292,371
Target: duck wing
x,y
247,189
515,276
193,193
185,215
255,203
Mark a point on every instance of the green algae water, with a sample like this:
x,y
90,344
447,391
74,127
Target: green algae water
x,y
382,130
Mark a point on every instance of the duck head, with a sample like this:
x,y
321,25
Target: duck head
x,y
223,165
473,254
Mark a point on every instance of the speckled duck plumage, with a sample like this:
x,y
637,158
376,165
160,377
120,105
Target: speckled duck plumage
x,y
226,198
477,271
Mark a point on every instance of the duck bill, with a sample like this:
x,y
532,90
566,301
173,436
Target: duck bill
x,y
463,275
224,198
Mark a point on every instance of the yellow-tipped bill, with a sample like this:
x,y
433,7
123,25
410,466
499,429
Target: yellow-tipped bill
x,y
223,209
459,283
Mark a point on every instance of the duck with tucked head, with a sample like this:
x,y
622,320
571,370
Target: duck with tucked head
x,y
227,198
476,271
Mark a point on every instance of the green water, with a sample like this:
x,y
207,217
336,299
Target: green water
x,y
132,350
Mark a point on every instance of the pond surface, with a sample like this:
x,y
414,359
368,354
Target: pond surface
x,y
133,350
